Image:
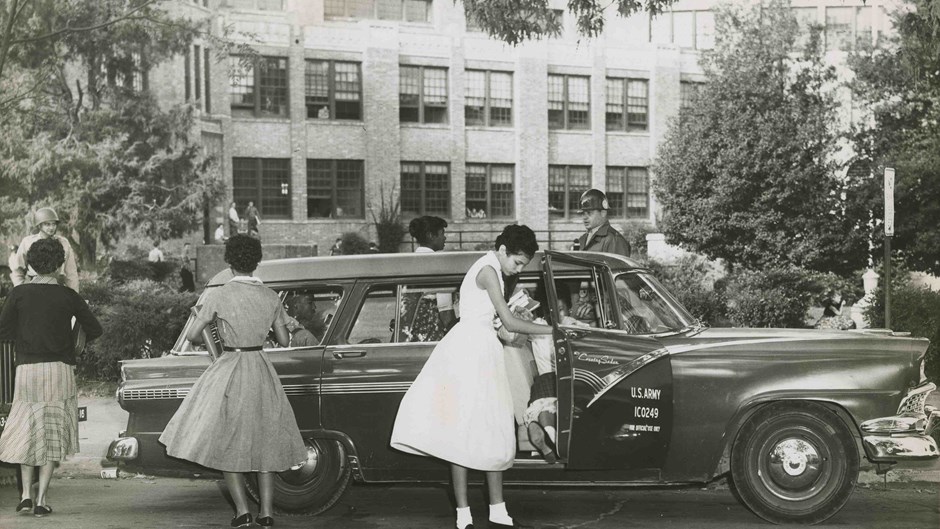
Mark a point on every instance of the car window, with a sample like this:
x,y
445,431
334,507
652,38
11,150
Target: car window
x,y
375,321
642,309
426,312
311,311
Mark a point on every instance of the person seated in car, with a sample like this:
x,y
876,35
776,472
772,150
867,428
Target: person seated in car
x,y
302,307
584,310
299,336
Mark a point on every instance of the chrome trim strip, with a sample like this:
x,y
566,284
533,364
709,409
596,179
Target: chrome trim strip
x,y
902,448
678,349
289,389
614,377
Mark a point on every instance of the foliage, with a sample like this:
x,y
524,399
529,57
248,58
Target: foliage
x,y
899,81
354,244
915,310
389,227
84,136
521,20
771,298
141,319
635,233
120,271
745,173
692,281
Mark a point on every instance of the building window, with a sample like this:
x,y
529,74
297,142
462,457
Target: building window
x,y
259,86
197,71
333,90
488,99
405,10
422,95
262,5
686,29
627,104
425,189
566,183
628,192
490,191
187,76
205,62
848,27
568,102
335,189
264,181
688,91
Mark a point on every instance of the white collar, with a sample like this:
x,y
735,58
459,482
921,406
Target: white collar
x,y
247,279
44,280
423,249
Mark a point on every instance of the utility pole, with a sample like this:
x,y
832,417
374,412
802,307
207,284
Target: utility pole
x,y
889,232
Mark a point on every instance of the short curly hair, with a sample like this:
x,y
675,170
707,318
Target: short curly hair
x,y
243,253
422,228
518,238
45,256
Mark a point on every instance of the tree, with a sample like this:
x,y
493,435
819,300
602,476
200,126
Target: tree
x,y
899,81
84,134
746,172
521,20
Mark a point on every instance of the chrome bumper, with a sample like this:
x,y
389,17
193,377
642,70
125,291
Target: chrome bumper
x,y
907,435
123,449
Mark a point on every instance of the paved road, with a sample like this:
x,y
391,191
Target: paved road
x,y
142,502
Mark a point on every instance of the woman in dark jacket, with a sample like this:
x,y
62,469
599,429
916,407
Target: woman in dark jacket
x,y
43,424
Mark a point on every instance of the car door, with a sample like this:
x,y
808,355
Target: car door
x,y
381,346
614,385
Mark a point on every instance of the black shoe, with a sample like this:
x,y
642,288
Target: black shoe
x,y
42,510
264,521
242,521
24,506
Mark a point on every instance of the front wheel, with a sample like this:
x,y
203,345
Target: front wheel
x,y
794,463
316,486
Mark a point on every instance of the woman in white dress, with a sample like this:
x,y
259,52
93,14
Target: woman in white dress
x,y
459,408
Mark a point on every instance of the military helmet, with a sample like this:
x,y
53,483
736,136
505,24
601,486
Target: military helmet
x,y
593,199
46,215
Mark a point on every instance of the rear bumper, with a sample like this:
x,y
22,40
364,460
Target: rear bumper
x,y
123,449
906,436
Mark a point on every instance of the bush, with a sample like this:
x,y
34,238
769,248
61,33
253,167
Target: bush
x,y
388,225
771,298
354,244
141,319
915,310
691,280
135,269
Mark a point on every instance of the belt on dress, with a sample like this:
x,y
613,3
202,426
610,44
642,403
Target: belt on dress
x,y
228,349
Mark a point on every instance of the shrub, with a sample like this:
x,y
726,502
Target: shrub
x,y
354,244
771,298
635,233
915,310
388,225
135,269
691,279
141,319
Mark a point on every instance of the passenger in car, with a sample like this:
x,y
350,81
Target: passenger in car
x,y
459,408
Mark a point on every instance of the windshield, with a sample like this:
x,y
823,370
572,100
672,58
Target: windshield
x,y
647,308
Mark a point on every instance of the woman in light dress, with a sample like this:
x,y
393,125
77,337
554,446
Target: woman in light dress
x,y
459,408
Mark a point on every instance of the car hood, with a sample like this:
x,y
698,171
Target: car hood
x,y
781,341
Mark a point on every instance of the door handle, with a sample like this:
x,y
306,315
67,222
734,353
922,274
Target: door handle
x,y
339,355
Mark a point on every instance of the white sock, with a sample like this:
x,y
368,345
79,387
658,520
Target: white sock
x,y
498,514
464,518
550,430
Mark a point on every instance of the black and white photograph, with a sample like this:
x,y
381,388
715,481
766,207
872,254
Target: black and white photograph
x,y
545,264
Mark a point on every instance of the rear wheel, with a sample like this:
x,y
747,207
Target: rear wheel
x,y
794,463
316,486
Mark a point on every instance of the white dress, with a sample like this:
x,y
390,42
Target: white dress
x,y
459,408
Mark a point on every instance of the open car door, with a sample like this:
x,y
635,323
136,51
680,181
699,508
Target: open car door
x,y
614,383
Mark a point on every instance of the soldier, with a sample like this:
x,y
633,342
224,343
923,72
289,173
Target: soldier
x,y
48,222
600,235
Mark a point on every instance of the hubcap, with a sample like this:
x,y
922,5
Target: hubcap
x,y
306,472
794,467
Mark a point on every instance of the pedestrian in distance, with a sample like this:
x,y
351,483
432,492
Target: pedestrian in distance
x,y
233,219
459,408
236,418
337,248
156,254
187,282
48,222
599,236
254,219
42,428
219,233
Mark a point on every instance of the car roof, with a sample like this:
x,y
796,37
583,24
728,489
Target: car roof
x,y
396,265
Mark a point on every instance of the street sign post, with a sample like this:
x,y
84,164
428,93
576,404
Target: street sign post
x,y
889,232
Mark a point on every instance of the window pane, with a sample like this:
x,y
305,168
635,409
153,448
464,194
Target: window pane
x,y
409,92
661,29
556,191
637,103
863,26
704,30
388,9
417,11
683,27
244,180
349,183
371,324
334,8
437,189
411,189
501,190
273,85
476,190
435,95
637,192
615,191
270,5
317,89
475,98
348,87
578,106
805,17
319,189
839,27
242,88
275,188
556,102
579,181
500,99
614,105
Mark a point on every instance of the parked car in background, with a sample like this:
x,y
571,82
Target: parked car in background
x,y
646,394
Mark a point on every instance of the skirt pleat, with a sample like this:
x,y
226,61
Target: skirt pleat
x,y
43,421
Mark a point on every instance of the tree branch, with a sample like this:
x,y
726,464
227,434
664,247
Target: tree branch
x,y
67,30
